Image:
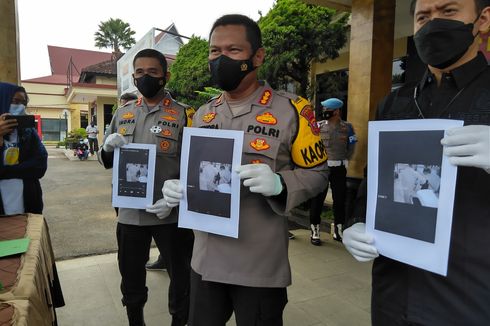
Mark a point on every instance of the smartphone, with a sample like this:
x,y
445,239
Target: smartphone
x,y
24,121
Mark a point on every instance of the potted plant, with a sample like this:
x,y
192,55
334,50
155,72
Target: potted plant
x,y
74,137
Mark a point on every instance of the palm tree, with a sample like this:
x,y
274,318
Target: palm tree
x,y
114,33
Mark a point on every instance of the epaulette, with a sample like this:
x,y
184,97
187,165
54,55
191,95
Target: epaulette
x,y
213,98
185,106
127,103
216,100
287,95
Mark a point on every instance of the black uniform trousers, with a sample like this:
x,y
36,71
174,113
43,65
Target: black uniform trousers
x,y
133,252
337,180
380,317
213,303
94,145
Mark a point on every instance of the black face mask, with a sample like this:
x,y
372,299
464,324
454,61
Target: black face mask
x,y
442,42
228,73
149,86
327,114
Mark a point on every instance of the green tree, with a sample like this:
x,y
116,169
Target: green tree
x,y
189,72
114,33
294,34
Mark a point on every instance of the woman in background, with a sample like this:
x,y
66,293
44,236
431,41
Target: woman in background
x,y
23,159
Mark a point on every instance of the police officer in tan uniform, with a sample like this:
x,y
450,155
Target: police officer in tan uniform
x,y
282,166
339,139
153,119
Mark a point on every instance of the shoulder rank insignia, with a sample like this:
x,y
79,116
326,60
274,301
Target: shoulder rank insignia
x,y
266,118
128,115
208,117
266,97
259,144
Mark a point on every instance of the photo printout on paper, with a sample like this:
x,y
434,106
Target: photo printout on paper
x,y
133,176
411,187
211,200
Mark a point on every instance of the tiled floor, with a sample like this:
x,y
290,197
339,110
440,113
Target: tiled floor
x,y
329,288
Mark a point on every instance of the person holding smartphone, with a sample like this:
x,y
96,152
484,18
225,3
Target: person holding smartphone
x,y
23,159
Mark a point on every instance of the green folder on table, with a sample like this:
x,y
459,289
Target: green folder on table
x,y
13,247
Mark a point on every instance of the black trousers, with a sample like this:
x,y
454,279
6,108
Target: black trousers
x,y
337,181
380,317
94,145
213,303
133,253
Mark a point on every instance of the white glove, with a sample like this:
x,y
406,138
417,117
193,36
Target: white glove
x,y
112,141
160,208
359,243
172,192
468,146
260,179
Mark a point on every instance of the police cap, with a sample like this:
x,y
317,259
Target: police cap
x,y
332,104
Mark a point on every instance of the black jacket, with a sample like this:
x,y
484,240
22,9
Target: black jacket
x,y
463,297
33,163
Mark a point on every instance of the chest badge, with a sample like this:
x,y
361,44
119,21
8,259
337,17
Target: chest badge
x,y
164,145
259,144
169,118
171,111
255,161
266,97
266,118
155,130
122,131
128,115
209,117
12,156
166,132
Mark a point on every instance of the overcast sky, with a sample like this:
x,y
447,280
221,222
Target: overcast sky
x,y
73,23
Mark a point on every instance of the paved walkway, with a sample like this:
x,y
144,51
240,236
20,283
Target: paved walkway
x,y
329,288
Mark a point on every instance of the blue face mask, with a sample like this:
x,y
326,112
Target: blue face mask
x,y
17,109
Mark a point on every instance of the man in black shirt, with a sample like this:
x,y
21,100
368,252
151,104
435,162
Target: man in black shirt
x,y
455,86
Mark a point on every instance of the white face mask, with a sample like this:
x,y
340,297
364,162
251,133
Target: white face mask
x,y
17,109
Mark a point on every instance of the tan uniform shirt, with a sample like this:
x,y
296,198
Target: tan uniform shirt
x,y
162,126
280,131
339,139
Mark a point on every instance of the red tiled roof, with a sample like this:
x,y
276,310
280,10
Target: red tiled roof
x,y
170,58
53,79
161,34
59,58
88,85
107,67
86,61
